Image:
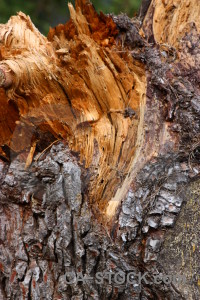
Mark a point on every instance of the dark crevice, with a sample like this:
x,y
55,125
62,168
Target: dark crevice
x,y
29,290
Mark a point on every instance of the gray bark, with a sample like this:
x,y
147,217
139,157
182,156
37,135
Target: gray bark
x,y
49,235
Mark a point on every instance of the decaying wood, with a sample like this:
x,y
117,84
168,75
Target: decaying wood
x,y
99,135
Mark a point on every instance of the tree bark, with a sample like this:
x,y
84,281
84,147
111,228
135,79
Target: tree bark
x,y
100,152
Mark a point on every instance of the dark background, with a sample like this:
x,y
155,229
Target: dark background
x,y
46,13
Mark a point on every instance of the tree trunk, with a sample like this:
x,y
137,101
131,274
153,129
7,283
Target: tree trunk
x,y
100,154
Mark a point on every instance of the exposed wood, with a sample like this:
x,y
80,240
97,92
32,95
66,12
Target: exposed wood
x,y
166,15
95,97
5,77
100,124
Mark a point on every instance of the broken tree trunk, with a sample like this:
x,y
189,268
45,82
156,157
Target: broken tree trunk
x,y
100,153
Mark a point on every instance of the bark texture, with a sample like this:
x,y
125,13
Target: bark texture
x,y
100,154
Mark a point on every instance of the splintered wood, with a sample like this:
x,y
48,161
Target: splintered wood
x,y
80,85
172,19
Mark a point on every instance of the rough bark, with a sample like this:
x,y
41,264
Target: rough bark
x,y
100,154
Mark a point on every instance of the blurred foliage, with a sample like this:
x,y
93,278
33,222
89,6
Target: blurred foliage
x,y
45,13
117,6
